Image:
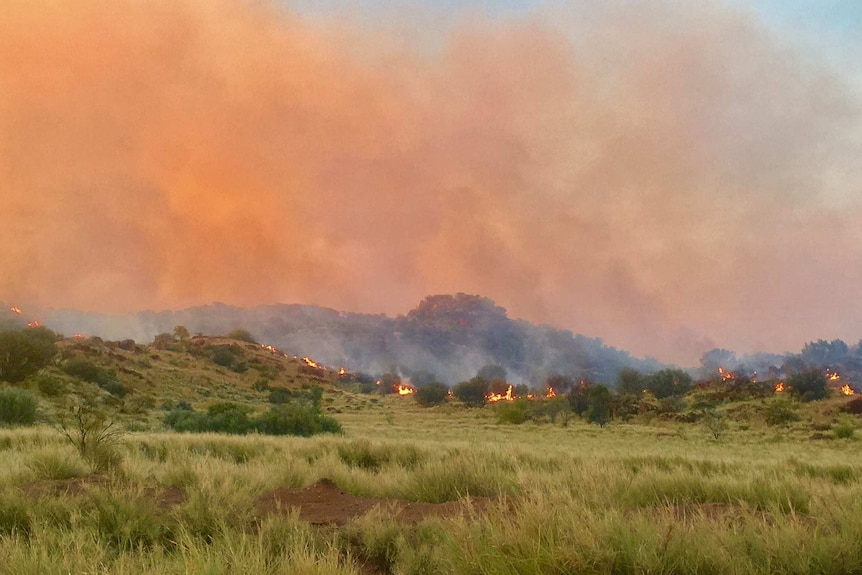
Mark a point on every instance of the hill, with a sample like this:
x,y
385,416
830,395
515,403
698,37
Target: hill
x,y
450,336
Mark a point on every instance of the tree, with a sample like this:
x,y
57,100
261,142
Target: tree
x,y
473,393
88,425
668,382
181,332
599,404
17,407
242,335
629,382
431,394
23,352
809,384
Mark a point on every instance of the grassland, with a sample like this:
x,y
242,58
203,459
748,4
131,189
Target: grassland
x,y
628,498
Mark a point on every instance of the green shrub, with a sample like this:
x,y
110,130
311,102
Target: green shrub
x,y
242,335
513,412
50,386
780,412
295,419
222,356
473,393
432,394
25,351
845,427
17,407
84,369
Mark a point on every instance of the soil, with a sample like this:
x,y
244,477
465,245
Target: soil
x,y
322,504
325,504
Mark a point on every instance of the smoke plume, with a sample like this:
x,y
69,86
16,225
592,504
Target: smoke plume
x,y
666,176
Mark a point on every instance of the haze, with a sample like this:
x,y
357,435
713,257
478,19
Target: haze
x,y
667,176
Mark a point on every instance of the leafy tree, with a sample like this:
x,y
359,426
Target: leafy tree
x,y
17,407
224,357
560,383
599,404
431,394
668,382
181,332
809,384
629,382
241,335
473,392
23,352
822,353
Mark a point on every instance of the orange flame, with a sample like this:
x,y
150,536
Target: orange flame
x,y
847,390
725,375
779,387
80,336
832,376
404,389
342,372
35,323
508,396
16,309
551,392
311,363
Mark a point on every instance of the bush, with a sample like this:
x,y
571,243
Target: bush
x,y
809,384
25,351
17,407
780,412
224,357
50,386
473,393
845,427
280,395
241,335
513,412
303,419
432,394
89,426
295,419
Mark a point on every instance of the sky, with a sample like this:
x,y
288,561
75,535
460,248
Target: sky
x,y
668,176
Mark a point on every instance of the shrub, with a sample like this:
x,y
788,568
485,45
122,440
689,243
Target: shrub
x,y
845,427
224,357
780,412
432,394
17,407
512,412
280,395
50,386
241,335
809,384
303,419
89,426
473,393
25,351
295,419
84,369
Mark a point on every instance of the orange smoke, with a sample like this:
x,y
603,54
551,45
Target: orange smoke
x,y
167,153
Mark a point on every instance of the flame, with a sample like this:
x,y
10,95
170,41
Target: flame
x,y
342,372
16,309
551,392
404,389
725,375
847,390
508,396
832,376
779,387
311,363
35,323
80,336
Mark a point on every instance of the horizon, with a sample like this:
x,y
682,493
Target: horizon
x,y
667,178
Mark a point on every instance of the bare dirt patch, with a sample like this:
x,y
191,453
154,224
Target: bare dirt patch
x,y
324,503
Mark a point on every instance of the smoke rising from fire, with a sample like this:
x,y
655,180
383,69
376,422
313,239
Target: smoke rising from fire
x,y
667,177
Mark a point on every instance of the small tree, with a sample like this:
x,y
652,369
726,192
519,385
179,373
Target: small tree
x,y
715,423
181,332
599,404
241,335
89,426
431,394
808,384
473,393
17,407
23,352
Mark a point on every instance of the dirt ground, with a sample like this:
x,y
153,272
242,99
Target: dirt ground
x,y
325,504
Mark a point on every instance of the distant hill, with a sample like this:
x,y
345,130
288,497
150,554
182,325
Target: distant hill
x,y
451,336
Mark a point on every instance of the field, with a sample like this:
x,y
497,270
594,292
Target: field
x,y
440,490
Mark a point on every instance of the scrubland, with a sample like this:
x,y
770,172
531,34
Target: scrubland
x,y
627,498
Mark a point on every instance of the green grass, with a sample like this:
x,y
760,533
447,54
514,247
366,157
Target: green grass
x,y
625,499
